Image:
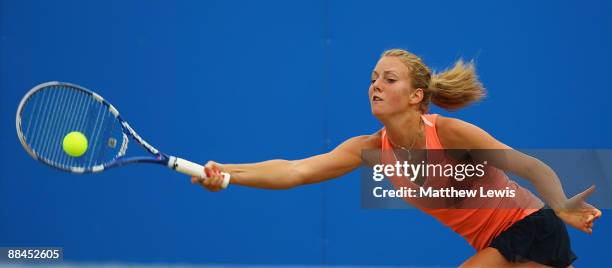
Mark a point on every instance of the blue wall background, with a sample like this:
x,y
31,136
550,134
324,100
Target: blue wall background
x,y
248,81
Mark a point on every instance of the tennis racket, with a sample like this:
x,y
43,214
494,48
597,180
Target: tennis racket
x,y
49,111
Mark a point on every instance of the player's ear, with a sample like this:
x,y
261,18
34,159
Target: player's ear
x,y
417,96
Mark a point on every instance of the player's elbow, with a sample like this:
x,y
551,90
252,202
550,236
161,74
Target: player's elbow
x,y
295,176
534,168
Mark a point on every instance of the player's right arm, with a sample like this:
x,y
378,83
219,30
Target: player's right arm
x,y
284,174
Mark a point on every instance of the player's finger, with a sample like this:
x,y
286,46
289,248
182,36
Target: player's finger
x,y
214,182
208,171
218,182
206,182
211,181
590,218
198,180
586,193
597,213
211,165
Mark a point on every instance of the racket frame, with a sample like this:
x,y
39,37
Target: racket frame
x,y
176,163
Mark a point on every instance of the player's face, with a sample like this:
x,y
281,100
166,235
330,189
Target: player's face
x,y
390,88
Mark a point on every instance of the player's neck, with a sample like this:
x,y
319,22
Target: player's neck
x,y
406,130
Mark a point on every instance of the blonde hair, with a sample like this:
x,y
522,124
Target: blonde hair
x,y
451,89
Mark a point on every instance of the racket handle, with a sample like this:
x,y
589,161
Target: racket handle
x,y
193,169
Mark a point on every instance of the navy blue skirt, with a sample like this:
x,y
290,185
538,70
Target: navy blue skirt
x,y
540,237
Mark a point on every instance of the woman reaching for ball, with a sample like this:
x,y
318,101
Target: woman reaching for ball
x,y
400,92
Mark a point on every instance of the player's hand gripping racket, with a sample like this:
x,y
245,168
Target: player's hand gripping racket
x,y
74,129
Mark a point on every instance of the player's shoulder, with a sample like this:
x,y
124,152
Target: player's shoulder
x,y
450,131
454,132
364,142
451,125
371,141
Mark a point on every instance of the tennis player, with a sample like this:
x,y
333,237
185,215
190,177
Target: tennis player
x,y
527,233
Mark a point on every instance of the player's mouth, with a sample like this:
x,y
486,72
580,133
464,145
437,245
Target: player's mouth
x,y
376,99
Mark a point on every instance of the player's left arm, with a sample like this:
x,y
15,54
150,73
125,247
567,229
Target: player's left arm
x,y
458,134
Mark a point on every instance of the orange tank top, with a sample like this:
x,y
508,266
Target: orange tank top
x,y
479,226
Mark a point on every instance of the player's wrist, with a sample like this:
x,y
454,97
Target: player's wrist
x,y
560,208
231,169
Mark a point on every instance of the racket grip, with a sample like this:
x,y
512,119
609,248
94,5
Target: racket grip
x,y
194,170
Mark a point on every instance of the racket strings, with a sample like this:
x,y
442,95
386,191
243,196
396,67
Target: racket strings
x,y
105,136
53,112
63,109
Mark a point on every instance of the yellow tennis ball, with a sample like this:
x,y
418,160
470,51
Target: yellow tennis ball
x,y
75,144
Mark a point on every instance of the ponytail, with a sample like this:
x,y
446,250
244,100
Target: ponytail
x,y
457,87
